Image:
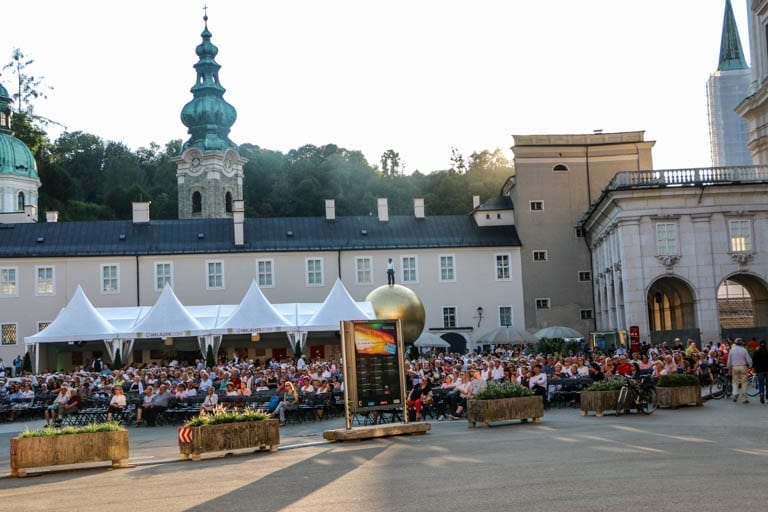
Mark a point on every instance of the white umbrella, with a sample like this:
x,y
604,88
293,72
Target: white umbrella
x,y
558,332
507,334
427,339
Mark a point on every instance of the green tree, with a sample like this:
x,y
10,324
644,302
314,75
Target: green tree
x,y
390,163
117,363
30,87
210,361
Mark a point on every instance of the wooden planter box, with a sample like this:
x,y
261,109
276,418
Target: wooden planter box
x,y
503,409
35,452
675,397
598,401
193,441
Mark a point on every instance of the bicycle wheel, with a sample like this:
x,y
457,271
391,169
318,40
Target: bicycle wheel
x,y
717,388
648,402
752,389
622,401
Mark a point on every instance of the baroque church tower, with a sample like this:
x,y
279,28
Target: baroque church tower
x,y
209,170
726,88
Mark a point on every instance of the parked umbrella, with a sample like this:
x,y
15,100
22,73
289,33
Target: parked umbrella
x,y
558,332
427,339
508,334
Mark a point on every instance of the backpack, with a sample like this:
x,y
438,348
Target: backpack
x,y
274,400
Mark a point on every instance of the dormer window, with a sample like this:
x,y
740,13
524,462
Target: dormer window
x,y
560,167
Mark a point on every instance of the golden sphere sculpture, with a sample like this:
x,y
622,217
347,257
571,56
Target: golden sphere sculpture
x,y
398,302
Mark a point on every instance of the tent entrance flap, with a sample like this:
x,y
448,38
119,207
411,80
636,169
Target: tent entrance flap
x,y
209,340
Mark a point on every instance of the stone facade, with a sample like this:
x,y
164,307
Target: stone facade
x,y
213,175
663,242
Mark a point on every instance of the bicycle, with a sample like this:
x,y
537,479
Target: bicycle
x,y
721,385
637,395
752,389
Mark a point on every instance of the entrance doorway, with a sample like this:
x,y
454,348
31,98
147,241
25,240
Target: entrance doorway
x,y
742,303
671,311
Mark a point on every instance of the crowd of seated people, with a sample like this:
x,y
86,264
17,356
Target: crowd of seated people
x,y
438,384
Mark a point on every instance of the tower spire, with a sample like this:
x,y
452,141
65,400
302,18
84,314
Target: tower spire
x,y
208,116
731,54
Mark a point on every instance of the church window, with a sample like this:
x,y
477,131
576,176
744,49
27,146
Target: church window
x,y
197,202
21,202
228,202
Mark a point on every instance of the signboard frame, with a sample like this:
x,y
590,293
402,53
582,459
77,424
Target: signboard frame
x,y
370,343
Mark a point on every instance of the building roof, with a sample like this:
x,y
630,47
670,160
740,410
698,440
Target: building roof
x,y
279,234
497,203
731,54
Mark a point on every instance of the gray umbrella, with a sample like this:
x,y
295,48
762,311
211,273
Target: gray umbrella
x,y
508,334
558,332
427,339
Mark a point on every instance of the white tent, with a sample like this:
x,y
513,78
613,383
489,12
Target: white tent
x,y
167,318
254,314
77,321
338,305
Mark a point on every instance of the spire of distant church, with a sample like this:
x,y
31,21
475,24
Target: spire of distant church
x,y
208,116
731,55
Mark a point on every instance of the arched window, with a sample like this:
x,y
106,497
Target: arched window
x,y
228,202
197,202
21,202
560,167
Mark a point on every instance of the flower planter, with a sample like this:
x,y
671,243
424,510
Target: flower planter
x,y
35,452
503,409
194,441
599,401
677,396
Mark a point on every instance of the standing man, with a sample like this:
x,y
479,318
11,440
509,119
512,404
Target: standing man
x,y
760,364
390,272
738,366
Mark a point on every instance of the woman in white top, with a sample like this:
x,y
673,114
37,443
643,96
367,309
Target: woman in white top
x,y
117,403
210,402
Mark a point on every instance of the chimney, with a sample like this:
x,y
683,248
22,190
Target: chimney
x,y
330,209
30,211
383,210
475,201
418,207
52,216
141,212
238,216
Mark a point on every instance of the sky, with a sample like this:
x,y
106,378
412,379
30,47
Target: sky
x,y
417,76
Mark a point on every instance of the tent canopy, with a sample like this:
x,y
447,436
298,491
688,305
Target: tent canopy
x,y
168,317
77,321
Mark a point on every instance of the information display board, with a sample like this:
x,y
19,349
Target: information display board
x,y
374,376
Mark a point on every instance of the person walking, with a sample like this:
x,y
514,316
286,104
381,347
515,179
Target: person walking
x,y
760,365
738,367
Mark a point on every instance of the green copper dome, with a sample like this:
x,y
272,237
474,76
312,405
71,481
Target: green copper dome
x,y
15,157
208,116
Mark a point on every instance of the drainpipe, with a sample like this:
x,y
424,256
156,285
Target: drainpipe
x,y
138,292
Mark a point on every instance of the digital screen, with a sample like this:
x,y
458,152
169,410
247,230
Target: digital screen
x,y
377,364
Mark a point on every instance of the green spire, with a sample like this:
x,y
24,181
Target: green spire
x,y
5,110
731,55
208,116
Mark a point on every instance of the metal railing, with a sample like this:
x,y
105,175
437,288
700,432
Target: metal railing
x,y
694,177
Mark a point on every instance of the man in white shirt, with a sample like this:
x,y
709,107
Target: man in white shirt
x,y
739,363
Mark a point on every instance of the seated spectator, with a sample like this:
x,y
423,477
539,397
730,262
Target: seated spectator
x,y
160,403
73,405
289,402
52,410
21,400
210,402
418,397
146,403
117,403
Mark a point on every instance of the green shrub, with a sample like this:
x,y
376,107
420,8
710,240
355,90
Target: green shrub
x,y
107,426
677,380
210,361
496,390
221,415
607,384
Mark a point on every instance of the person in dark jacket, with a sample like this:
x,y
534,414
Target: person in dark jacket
x,y
760,365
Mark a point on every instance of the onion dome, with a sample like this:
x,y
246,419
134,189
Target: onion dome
x,y
208,116
15,157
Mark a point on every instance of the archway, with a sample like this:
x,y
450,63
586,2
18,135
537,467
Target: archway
x,y
742,303
671,310
197,202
